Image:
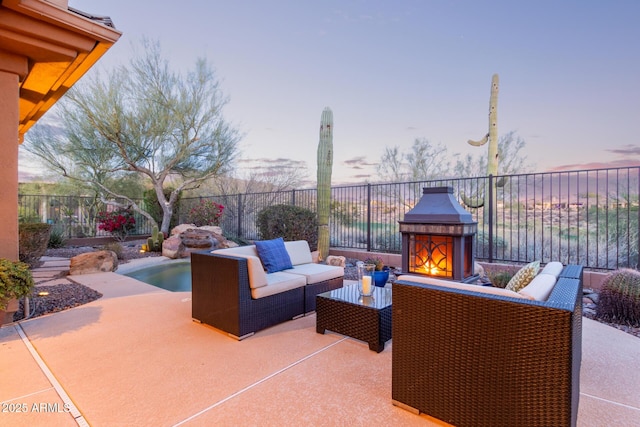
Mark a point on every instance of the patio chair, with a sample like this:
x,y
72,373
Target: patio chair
x,y
472,359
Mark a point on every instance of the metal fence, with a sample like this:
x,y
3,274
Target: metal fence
x,y
587,217
72,216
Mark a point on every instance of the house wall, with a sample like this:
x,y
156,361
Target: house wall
x,y
9,88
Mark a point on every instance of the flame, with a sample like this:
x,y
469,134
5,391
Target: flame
x,y
433,270
433,256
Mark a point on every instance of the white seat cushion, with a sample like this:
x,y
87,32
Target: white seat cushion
x,y
316,273
278,282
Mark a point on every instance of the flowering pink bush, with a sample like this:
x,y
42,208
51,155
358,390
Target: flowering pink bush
x,y
119,223
207,212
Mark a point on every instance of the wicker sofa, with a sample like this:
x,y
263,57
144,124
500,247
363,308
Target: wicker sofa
x,y
231,290
475,359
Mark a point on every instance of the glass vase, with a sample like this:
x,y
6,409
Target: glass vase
x,y
366,282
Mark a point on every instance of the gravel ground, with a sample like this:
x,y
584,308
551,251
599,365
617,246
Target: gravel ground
x,y
59,297
68,295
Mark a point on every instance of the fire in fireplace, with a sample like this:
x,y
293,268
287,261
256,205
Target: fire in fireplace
x,y
438,235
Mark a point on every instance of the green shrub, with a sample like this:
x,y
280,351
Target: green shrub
x,y
27,215
388,242
206,212
499,278
290,223
114,247
33,240
16,281
482,244
619,299
344,213
56,239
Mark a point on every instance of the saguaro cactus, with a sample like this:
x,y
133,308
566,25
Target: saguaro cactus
x,y
492,135
325,164
492,138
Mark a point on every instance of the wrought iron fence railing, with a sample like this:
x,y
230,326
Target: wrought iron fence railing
x,y
587,217
71,216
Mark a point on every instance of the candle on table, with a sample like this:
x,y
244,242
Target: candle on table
x,y
366,284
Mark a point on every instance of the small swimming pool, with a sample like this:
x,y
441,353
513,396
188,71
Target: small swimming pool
x,y
175,277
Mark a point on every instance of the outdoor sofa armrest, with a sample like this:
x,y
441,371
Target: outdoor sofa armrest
x,y
221,296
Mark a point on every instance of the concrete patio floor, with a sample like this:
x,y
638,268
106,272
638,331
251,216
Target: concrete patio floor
x,y
135,358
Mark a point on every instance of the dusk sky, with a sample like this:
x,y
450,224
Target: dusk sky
x,y
393,71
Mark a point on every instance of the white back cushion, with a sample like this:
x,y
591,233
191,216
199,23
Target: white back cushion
x,y
553,268
257,275
245,250
540,287
299,252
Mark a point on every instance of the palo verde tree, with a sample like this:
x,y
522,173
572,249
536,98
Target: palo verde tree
x,y
144,119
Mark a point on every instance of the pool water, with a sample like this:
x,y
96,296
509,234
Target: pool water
x,y
175,277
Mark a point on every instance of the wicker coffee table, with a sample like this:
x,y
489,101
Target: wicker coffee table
x,y
346,312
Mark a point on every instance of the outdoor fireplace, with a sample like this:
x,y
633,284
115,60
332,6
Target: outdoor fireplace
x,y
438,235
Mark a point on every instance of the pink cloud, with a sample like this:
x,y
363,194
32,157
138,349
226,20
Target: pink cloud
x,y
622,163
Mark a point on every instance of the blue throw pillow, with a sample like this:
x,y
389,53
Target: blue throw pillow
x,y
273,254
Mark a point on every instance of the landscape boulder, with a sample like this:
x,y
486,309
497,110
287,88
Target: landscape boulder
x,y
478,269
197,239
186,238
172,247
336,261
216,232
93,262
179,229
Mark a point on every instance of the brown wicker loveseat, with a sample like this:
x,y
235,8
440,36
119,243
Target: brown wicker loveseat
x,y
472,359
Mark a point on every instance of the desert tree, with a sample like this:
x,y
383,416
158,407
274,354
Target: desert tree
x,y
260,183
142,119
512,160
424,161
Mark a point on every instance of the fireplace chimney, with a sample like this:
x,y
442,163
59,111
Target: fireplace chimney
x,y
438,235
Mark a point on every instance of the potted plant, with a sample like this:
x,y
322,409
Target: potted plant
x,y
16,282
381,274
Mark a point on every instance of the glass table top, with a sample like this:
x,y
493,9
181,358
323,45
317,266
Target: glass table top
x,y
380,299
